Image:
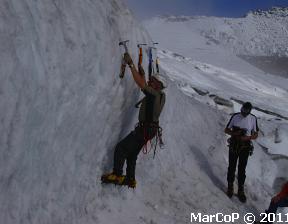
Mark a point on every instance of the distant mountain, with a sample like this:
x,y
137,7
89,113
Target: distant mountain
x,y
259,33
274,12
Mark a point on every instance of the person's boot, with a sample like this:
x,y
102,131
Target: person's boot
x,y
241,194
112,178
130,182
230,190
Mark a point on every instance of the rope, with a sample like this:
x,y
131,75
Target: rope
x,y
147,132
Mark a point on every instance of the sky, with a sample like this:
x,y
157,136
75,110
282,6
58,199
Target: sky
x,y
145,9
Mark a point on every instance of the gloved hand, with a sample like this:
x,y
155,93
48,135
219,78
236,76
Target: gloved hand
x,y
141,70
128,59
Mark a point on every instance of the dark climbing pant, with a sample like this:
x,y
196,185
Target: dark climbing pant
x,y
129,148
274,206
242,156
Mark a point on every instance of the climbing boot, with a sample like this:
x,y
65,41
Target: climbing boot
x,y
112,178
130,182
241,194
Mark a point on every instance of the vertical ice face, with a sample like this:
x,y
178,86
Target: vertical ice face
x,y
61,101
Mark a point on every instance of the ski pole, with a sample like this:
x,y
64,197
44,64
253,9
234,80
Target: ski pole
x,y
123,63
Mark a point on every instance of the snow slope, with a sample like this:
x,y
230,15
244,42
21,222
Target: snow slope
x,y
209,71
213,66
64,109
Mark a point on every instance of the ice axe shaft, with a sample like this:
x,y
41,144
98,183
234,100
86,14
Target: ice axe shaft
x,y
123,63
140,54
157,59
150,66
150,55
157,65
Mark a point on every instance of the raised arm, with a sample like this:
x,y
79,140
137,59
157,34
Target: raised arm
x,y
138,77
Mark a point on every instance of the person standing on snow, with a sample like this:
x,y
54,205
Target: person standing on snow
x,y
243,128
147,128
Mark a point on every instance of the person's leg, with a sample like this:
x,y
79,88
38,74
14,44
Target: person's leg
x,y
233,157
273,209
243,159
131,162
121,153
275,205
136,147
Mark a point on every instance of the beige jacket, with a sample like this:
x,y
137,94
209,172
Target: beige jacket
x,y
151,105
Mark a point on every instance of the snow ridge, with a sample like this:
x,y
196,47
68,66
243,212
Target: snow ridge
x,y
273,12
260,33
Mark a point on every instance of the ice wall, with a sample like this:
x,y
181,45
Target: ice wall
x,y
61,101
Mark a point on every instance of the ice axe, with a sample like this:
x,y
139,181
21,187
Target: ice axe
x,y
150,56
157,59
140,54
140,60
123,63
